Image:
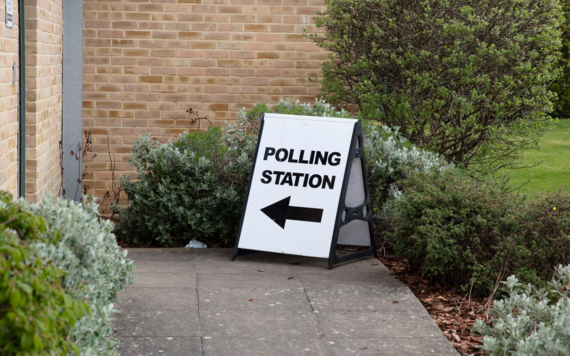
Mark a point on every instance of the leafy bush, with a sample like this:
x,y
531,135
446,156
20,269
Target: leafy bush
x,y
195,188
36,315
526,322
449,226
390,158
545,227
562,85
464,79
77,241
475,231
185,190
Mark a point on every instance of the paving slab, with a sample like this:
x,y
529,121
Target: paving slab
x,y
417,346
161,254
378,324
350,280
251,299
198,302
361,299
266,347
160,346
264,323
254,280
164,312
180,279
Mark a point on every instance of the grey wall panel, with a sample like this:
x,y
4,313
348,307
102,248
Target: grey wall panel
x,y
72,93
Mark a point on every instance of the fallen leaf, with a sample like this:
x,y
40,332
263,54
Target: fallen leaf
x,y
568,286
250,299
425,281
561,288
328,276
260,270
291,277
395,301
363,348
375,264
456,337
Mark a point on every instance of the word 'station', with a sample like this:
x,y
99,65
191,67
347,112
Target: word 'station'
x,y
296,179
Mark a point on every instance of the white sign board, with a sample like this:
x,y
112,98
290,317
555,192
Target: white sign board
x,y
10,13
296,185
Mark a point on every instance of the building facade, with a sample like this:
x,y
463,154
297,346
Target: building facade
x,y
142,63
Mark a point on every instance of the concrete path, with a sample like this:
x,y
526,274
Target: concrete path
x,y
198,302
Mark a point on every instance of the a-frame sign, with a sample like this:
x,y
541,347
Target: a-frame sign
x,y
308,190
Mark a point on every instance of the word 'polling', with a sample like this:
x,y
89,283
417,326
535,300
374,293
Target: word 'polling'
x,y
296,179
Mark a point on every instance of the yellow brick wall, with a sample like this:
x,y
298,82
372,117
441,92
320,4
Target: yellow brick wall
x,y
8,103
43,97
147,61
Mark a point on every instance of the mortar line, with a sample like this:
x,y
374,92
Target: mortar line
x,y
322,334
198,304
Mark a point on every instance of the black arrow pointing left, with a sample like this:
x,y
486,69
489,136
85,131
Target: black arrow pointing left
x,y
281,211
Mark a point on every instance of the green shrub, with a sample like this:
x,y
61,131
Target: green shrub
x,y
185,190
526,322
473,232
83,245
389,159
36,315
195,187
562,85
545,227
464,79
451,226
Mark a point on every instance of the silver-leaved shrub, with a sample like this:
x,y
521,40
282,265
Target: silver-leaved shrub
x,y
527,322
390,158
95,268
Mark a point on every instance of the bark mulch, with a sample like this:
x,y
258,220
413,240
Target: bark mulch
x,y
454,314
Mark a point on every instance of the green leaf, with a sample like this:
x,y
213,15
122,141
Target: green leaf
x,y
16,298
26,341
38,345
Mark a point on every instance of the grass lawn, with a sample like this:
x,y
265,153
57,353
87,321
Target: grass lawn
x,y
554,172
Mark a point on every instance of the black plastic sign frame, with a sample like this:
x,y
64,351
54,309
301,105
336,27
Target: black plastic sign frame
x,y
350,213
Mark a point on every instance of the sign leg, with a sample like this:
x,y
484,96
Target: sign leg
x,y
241,252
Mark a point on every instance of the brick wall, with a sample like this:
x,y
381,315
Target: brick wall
x,y
147,61
8,103
44,96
